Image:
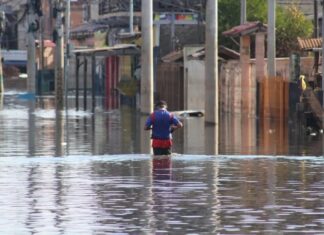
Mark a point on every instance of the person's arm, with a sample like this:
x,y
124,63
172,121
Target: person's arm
x,y
147,128
148,124
176,124
175,127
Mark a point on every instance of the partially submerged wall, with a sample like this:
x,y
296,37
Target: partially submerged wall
x,y
194,82
230,83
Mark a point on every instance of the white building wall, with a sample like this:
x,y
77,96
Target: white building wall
x,y
194,81
94,11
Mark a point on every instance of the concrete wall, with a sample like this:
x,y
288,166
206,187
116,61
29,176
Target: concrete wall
x,y
194,85
94,11
230,81
306,66
194,82
230,87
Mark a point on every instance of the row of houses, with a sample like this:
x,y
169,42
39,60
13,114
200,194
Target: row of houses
x,y
113,17
96,24
179,36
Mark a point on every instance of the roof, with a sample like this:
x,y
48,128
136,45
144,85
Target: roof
x,y
223,52
309,44
120,49
198,54
246,29
173,56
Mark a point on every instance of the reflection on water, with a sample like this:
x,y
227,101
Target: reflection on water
x,y
134,194
63,173
36,129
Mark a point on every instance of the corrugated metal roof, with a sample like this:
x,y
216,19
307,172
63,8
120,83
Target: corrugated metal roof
x,y
245,29
309,44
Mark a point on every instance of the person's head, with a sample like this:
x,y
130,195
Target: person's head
x,y
161,104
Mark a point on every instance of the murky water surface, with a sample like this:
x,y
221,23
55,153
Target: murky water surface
x,y
78,173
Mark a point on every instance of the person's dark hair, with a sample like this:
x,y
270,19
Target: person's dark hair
x,y
161,104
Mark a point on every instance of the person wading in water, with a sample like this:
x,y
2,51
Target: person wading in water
x,y
162,123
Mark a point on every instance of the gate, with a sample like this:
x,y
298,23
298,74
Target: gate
x,y
170,85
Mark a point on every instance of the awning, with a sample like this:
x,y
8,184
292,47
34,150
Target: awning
x,y
120,49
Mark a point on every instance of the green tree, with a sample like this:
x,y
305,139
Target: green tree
x,y
290,23
229,16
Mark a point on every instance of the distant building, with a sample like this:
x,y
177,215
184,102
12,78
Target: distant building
x,y
17,25
177,23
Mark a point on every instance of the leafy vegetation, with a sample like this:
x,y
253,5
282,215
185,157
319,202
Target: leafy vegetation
x,y
290,23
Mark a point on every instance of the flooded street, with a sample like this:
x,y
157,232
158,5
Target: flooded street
x,y
78,173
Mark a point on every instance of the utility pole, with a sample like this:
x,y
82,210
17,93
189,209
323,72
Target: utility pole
x,y
41,56
271,38
67,47
131,16
59,54
31,49
211,69
147,101
316,35
2,29
243,11
322,63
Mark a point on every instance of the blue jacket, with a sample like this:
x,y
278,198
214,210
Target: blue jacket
x,y
161,121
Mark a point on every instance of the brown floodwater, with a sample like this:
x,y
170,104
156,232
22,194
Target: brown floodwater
x,y
73,172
